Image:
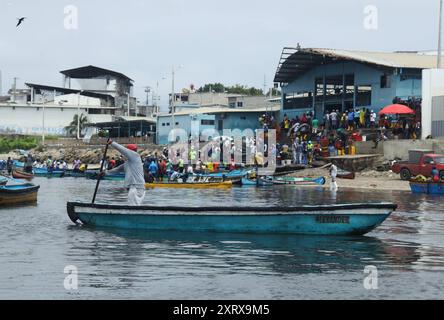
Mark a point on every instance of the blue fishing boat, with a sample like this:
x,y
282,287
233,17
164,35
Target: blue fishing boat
x,y
269,181
337,219
3,181
120,176
253,182
427,187
18,194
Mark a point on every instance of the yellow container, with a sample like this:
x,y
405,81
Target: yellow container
x,y
352,150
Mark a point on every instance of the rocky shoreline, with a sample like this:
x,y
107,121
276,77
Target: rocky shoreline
x,y
88,155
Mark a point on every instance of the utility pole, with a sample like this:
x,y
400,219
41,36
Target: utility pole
x,y
157,97
78,116
172,99
148,90
439,35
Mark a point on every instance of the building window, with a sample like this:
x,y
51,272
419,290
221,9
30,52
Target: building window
x,y
232,104
240,104
364,95
207,122
386,81
298,100
163,124
177,123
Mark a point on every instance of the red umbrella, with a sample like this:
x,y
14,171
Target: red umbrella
x,y
396,109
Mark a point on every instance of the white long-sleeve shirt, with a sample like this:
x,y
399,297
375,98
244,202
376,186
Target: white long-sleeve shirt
x,y
133,167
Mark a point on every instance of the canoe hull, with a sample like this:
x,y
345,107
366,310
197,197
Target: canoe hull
x,y
25,195
321,220
193,185
22,175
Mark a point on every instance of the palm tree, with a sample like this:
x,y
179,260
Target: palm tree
x,y
77,122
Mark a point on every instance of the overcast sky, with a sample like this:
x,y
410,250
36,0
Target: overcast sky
x,y
230,41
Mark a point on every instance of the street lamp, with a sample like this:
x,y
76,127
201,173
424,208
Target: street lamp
x,y
156,104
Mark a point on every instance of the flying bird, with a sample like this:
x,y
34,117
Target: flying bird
x,y
20,20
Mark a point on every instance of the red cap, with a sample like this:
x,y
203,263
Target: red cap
x,y
132,147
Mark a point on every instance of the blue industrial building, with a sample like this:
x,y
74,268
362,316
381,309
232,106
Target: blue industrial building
x,y
194,119
321,80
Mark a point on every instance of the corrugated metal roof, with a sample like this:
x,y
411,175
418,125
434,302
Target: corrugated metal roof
x,y
388,59
296,61
91,72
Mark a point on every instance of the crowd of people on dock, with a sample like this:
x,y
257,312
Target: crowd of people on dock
x,y
336,133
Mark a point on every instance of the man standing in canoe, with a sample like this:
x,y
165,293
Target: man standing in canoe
x,y
133,168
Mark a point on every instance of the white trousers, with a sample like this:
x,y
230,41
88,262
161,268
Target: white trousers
x,y
333,184
135,196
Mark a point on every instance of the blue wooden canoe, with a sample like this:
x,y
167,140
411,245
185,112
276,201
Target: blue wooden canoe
x,y
18,194
3,181
269,181
339,219
427,187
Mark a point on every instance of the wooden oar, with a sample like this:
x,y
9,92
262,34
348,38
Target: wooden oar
x,y
100,173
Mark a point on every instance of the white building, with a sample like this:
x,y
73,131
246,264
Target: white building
x,y
99,94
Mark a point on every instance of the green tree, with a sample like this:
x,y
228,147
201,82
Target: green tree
x,y
236,89
72,127
212,87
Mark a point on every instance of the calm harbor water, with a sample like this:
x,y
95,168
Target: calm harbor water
x,y
37,242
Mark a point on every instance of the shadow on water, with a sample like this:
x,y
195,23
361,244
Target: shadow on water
x,y
254,253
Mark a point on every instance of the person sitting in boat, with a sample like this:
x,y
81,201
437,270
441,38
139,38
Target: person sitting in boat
x,y
435,175
9,164
174,176
28,163
133,168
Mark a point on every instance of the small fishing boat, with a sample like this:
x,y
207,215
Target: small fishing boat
x,y
297,181
190,185
22,175
253,182
427,187
110,177
342,174
269,180
18,194
336,219
3,181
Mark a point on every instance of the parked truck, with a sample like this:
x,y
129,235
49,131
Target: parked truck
x,y
421,162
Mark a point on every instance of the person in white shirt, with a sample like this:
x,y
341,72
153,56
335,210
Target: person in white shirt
x,y
372,119
333,174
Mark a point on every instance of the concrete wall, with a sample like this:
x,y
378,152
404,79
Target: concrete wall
x,y
433,86
241,121
400,148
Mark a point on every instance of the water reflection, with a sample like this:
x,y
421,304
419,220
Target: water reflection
x,y
262,254
39,241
